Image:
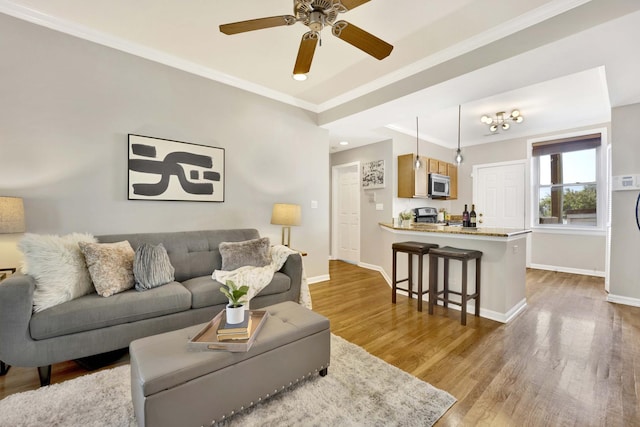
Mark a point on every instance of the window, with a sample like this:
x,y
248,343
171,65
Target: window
x,y
567,182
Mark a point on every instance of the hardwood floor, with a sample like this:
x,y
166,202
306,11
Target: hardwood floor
x,y
570,359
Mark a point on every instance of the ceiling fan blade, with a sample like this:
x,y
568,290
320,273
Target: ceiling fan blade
x,y
305,52
361,39
257,24
350,4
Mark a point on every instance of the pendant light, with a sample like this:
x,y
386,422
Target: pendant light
x,y
418,163
458,152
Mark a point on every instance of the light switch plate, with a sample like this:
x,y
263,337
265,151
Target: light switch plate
x,y
379,207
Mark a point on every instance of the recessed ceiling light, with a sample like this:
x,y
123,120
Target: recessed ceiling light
x,y
344,142
300,77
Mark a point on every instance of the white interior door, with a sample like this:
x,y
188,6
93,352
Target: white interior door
x,y
499,194
347,213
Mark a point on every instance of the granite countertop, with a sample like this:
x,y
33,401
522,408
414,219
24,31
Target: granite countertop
x,y
437,228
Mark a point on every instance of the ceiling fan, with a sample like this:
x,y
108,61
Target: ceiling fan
x,y
316,14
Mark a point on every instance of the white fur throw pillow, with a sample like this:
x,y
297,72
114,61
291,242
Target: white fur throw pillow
x,y
58,267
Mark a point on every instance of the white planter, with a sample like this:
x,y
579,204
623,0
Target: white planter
x,y
235,314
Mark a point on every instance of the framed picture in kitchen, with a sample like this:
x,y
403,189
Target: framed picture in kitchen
x,y
373,175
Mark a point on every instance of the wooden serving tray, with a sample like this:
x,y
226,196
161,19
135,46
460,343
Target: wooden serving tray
x,y
207,337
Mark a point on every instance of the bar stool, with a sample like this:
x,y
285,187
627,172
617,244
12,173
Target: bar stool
x,y
411,249
463,255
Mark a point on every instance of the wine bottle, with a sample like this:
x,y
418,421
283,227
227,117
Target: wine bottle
x,y
472,216
465,217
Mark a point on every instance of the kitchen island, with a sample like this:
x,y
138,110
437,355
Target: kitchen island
x,y
503,271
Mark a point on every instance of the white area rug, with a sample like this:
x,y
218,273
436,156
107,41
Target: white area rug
x,y
360,390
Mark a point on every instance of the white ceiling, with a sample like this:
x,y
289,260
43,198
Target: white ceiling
x,y
563,63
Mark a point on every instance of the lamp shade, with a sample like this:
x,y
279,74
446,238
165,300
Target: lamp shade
x,y
11,215
286,214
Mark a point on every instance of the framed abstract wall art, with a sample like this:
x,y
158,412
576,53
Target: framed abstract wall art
x,y
373,174
161,169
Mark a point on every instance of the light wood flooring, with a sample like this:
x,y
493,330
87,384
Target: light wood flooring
x,y
570,359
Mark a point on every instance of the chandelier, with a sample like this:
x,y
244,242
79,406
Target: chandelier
x,y
501,120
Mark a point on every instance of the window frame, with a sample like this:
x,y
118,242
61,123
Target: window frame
x,y
601,185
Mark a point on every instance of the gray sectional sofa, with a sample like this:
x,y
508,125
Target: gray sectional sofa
x,y
92,324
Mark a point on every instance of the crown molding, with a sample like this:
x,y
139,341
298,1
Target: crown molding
x,y
80,31
531,18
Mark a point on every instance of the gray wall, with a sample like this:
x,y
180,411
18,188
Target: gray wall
x,y
370,243
625,236
68,105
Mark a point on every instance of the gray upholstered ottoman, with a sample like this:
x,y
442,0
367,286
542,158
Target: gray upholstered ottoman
x,y
172,385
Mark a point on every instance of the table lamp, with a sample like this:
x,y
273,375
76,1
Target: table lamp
x,y
11,218
286,214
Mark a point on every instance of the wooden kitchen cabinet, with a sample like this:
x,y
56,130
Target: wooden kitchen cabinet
x,y
443,168
452,173
434,166
412,182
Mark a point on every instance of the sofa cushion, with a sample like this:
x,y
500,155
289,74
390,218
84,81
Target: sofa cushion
x,y
192,253
58,266
206,292
152,267
110,266
254,252
93,311
279,284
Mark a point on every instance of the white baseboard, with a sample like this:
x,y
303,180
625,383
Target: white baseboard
x,y
317,279
378,269
634,302
570,270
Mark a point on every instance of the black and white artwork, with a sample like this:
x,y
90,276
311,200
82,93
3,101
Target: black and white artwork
x,y
373,174
161,169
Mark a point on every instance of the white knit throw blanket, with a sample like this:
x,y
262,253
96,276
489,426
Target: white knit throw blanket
x,y
257,278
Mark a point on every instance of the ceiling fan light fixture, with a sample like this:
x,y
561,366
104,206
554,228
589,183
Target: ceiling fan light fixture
x,y
316,15
299,77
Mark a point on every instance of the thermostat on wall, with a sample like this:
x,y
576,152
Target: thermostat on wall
x,y
626,182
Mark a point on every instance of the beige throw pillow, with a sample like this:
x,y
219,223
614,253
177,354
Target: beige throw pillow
x,y
110,266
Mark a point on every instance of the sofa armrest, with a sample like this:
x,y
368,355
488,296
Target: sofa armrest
x,y
16,307
293,268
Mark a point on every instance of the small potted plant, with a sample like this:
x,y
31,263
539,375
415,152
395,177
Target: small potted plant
x,y
235,308
406,217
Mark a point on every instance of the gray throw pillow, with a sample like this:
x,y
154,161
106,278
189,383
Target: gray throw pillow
x,y
152,267
249,252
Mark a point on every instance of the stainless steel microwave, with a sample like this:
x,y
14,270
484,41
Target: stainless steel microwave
x,y
438,186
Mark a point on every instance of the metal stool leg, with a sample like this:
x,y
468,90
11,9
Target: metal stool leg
x,y
478,287
420,262
464,295
410,281
394,278
446,283
433,281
